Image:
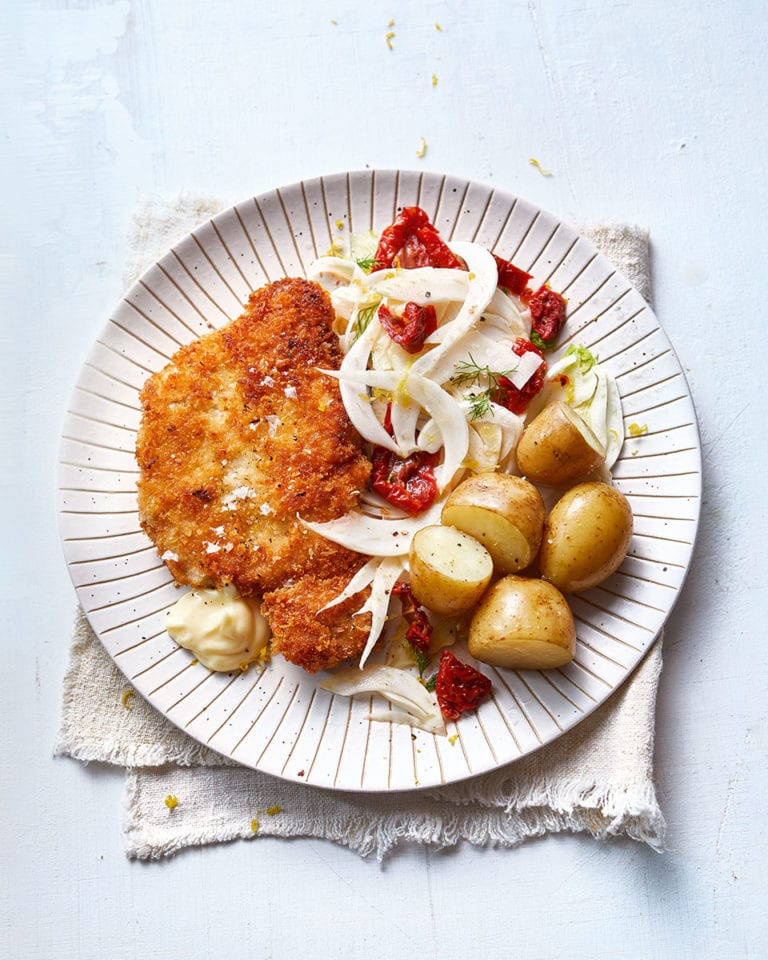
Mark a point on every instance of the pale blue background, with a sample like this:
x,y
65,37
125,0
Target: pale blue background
x,y
646,111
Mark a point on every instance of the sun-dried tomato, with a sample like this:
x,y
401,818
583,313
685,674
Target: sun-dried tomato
x,y
424,248
511,277
394,236
547,315
411,329
414,242
388,420
515,398
459,687
408,483
419,630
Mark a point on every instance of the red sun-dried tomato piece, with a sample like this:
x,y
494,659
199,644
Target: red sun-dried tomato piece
x,y
411,329
515,398
419,630
425,248
547,314
414,242
394,236
409,482
512,278
459,687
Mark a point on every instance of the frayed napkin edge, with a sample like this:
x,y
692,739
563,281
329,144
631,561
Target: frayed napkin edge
x,y
590,810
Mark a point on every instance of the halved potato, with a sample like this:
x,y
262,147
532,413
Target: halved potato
x,y
449,569
586,537
558,447
523,624
505,513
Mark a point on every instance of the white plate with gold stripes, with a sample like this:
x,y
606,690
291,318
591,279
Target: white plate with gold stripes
x,y
276,719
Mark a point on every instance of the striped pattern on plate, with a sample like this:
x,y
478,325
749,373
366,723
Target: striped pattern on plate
x,y
276,719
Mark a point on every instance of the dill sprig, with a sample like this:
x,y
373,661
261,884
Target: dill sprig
x,y
421,658
472,374
364,317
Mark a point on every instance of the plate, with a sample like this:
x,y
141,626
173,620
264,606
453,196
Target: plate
x,y
276,719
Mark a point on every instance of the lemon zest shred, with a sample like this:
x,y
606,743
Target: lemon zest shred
x,y
452,740
438,27
422,148
636,430
127,694
171,801
255,825
379,393
273,810
391,23
339,224
434,79
389,38
535,163
265,655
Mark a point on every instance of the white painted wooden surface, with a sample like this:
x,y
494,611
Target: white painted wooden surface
x,y
651,112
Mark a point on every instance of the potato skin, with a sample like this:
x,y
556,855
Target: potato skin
x,y
505,513
523,624
449,570
586,537
554,449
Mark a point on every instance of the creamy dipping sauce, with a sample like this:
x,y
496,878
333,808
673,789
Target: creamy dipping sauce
x,y
222,629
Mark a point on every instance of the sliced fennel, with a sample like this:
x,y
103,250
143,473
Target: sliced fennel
x,y
400,687
381,575
502,312
422,285
483,277
363,246
375,536
409,389
377,603
354,393
327,267
591,392
614,424
359,581
434,723
484,450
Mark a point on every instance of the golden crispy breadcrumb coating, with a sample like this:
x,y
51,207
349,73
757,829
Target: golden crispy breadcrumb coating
x,y
337,633
240,433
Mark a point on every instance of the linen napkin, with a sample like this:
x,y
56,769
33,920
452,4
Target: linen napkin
x,y
597,778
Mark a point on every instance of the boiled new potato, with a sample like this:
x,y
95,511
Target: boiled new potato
x,y
523,624
558,448
586,537
505,513
449,569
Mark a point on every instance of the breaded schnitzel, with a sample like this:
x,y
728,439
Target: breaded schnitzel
x,y
240,433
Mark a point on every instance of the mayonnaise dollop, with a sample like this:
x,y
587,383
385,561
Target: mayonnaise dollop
x,y
224,630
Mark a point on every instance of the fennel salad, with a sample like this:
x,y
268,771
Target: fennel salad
x,y
445,361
